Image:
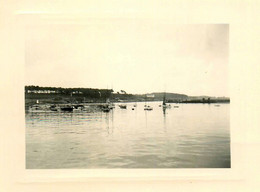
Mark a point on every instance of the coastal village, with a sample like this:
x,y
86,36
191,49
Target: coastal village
x,y
72,99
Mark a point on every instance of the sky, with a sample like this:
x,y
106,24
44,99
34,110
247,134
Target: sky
x,y
138,56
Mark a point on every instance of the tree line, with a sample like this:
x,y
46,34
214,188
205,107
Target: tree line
x,y
86,92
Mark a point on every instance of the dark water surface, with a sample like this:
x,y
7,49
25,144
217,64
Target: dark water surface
x,y
191,136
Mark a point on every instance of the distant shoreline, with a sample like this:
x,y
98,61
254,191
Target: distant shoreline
x,y
65,101
53,95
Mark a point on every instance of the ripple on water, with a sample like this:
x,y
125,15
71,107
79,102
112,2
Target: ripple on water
x,y
192,136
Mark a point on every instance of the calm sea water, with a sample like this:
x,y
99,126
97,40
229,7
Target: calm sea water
x,y
191,136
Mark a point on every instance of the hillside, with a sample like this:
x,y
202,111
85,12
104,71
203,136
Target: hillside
x,y
169,96
88,95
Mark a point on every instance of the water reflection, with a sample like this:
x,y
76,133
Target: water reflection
x,y
188,136
164,120
109,120
164,112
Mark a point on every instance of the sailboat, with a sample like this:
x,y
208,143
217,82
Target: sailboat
x,y
111,105
164,105
107,106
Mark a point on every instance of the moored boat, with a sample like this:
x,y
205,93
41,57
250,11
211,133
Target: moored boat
x,y
67,108
37,108
148,108
164,105
122,106
54,108
78,108
105,109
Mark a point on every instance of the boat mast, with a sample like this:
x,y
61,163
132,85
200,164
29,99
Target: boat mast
x,y
164,99
164,96
145,99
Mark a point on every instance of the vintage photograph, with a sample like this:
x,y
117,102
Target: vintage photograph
x,y
127,93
